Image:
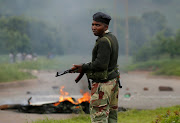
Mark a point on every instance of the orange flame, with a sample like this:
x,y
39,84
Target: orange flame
x,y
86,97
64,96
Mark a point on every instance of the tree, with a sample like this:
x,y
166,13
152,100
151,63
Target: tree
x,y
20,34
160,45
15,42
154,22
44,38
137,35
177,43
13,34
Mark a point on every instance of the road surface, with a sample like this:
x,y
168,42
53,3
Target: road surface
x,y
140,91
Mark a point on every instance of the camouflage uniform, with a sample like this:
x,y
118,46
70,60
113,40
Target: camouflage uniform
x,y
102,70
104,102
104,94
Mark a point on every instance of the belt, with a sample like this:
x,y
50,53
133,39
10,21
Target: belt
x,y
102,81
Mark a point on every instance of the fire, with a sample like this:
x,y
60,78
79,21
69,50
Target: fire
x,y
86,97
64,96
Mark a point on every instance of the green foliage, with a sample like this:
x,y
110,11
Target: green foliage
x,y
160,46
159,67
13,36
76,119
137,34
20,34
57,63
141,29
168,117
130,116
154,22
40,64
146,18
4,59
177,43
10,72
44,38
15,42
15,71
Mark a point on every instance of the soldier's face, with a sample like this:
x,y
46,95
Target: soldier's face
x,y
99,28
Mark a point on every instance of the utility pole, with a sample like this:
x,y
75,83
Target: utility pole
x,y
115,18
127,31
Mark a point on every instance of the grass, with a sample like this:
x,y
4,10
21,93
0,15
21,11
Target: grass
x,y
10,72
79,119
162,115
14,72
4,58
145,116
169,67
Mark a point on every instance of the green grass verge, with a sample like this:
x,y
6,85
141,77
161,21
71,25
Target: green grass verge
x,y
57,63
4,59
13,72
159,67
162,115
10,72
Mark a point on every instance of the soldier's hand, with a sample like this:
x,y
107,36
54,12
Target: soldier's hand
x,y
79,67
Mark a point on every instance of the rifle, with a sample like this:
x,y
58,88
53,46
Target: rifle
x,y
72,70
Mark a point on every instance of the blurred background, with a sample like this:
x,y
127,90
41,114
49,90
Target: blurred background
x,y
146,29
51,35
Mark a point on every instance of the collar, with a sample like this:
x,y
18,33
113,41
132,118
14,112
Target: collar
x,y
106,32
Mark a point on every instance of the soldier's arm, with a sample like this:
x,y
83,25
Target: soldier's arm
x,y
103,57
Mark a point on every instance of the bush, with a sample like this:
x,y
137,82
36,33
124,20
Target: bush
x,y
160,46
159,67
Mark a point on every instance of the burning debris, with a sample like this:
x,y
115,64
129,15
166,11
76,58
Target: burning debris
x,y
64,96
65,104
62,107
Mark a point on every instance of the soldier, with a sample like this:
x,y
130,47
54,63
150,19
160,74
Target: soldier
x,y
102,70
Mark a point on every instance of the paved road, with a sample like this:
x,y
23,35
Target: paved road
x,y
46,88
135,82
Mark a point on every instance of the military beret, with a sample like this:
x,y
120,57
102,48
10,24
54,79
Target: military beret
x,y
101,17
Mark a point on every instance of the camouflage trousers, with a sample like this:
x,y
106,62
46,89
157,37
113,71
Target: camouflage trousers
x,y
104,102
